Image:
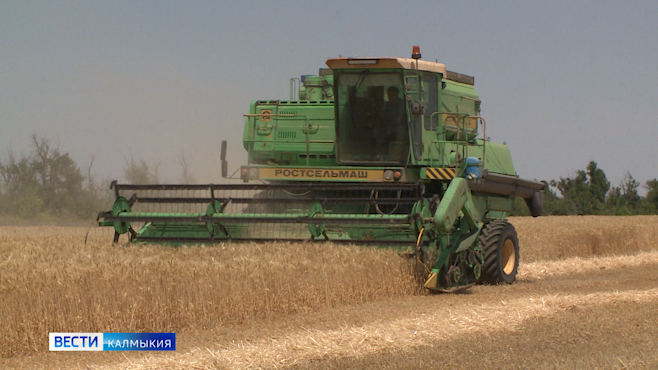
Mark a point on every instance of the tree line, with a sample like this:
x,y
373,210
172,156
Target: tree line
x,y
589,192
50,186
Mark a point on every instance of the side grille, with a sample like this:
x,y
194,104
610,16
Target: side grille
x,y
286,135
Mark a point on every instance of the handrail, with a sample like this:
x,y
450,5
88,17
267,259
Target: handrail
x,y
439,129
463,132
484,135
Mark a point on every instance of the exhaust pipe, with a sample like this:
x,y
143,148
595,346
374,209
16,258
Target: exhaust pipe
x,y
531,191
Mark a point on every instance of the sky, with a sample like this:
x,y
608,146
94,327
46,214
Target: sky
x,y
562,83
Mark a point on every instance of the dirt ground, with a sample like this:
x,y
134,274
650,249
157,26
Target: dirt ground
x,y
576,312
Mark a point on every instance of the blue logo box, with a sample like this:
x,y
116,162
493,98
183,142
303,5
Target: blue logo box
x,y
112,341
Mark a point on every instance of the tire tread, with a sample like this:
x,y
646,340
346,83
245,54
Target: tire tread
x,y
490,238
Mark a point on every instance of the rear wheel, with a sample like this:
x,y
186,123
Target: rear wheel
x,y
500,246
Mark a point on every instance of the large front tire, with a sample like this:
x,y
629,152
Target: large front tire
x,y
500,247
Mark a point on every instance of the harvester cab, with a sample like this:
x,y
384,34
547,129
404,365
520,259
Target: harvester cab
x,y
382,151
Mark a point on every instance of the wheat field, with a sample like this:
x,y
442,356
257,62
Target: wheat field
x,y
51,281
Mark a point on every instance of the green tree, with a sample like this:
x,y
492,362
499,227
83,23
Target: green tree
x,y
59,177
519,208
140,173
576,198
652,195
20,188
554,205
584,193
629,193
48,181
614,203
598,183
625,200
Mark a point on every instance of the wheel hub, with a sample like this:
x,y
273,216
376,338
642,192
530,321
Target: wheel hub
x,y
508,259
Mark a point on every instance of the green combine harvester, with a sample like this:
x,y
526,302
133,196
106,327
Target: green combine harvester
x,y
378,151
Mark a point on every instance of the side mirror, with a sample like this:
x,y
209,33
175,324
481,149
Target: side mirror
x,y
224,169
222,156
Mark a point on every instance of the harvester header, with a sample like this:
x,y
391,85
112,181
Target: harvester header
x,y
385,151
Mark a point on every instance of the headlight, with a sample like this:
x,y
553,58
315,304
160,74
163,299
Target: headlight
x,y
249,173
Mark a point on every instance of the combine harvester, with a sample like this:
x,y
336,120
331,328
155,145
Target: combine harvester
x,y
379,151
